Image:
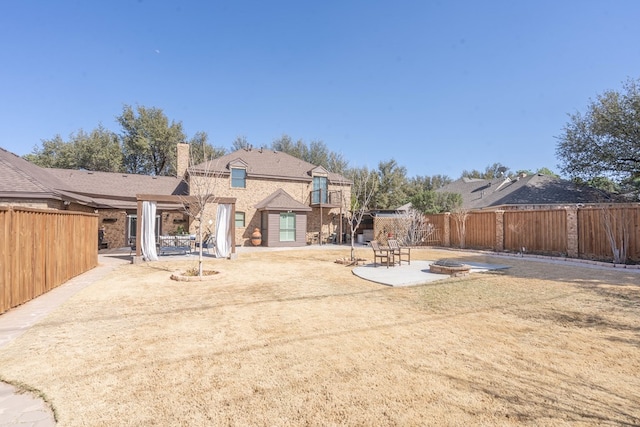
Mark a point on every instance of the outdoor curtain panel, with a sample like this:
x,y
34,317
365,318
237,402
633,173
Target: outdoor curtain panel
x,y
148,225
223,236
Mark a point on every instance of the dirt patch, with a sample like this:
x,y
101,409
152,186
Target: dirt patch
x,y
293,338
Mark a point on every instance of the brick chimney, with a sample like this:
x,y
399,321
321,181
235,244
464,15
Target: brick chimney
x,y
182,159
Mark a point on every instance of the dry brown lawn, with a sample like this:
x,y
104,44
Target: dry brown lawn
x,y
291,338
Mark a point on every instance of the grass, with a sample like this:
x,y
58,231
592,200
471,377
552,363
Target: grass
x,y
294,338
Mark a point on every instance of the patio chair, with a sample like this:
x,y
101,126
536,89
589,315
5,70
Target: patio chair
x,y
399,251
208,241
382,254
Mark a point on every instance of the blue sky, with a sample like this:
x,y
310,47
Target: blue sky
x,y
439,86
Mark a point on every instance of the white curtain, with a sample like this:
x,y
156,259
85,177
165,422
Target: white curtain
x,y
148,226
223,231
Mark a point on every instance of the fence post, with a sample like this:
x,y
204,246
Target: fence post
x,y
499,244
446,233
572,231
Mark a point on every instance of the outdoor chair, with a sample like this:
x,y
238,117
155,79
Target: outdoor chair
x,y
399,251
208,241
382,254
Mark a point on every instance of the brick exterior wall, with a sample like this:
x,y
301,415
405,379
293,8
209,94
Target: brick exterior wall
x,y
115,223
258,189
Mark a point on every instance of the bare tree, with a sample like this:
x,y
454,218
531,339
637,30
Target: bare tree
x,y
362,191
517,229
412,228
202,195
461,215
617,229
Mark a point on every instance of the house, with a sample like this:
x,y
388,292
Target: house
x,y
111,195
290,201
523,191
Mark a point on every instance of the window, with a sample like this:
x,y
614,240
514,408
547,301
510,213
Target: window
x,y
132,228
320,189
238,178
287,227
239,219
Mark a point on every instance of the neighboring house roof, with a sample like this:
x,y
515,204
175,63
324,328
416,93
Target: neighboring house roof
x,y
267,164
534,189
280,200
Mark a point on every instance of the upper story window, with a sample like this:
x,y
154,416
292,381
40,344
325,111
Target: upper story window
x,y
238,178
320,189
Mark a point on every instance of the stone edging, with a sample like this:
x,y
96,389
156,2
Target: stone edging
x,y
182,278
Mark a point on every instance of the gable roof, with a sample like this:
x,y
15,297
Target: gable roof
x,y
534,189
267,164
111,189
280,200
20,179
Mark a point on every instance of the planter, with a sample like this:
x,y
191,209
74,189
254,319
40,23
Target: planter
x,y
207,275
256,237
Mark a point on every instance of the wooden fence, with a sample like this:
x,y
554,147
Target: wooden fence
x,y
573,232
42,249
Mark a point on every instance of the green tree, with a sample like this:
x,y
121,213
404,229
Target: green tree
x,y
392,188
286,145
149,140
431,202
53,153
422,194
98,150
316,153
547,171
240,143
605,140
201,150
496,170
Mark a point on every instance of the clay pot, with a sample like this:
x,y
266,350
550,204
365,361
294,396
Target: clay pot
x,y
256,237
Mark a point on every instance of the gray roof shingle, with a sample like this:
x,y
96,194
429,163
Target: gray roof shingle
x,y
263,163
20,179
118,185
534,189
281,200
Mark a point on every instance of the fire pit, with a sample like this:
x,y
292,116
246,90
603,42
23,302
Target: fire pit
x,y
452,268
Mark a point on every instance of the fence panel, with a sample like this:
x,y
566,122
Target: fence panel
x,y
42,250
593,241
437,222
479,233
537,231
547,231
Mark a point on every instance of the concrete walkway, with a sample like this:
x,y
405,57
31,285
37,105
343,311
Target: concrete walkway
x,y
23,408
